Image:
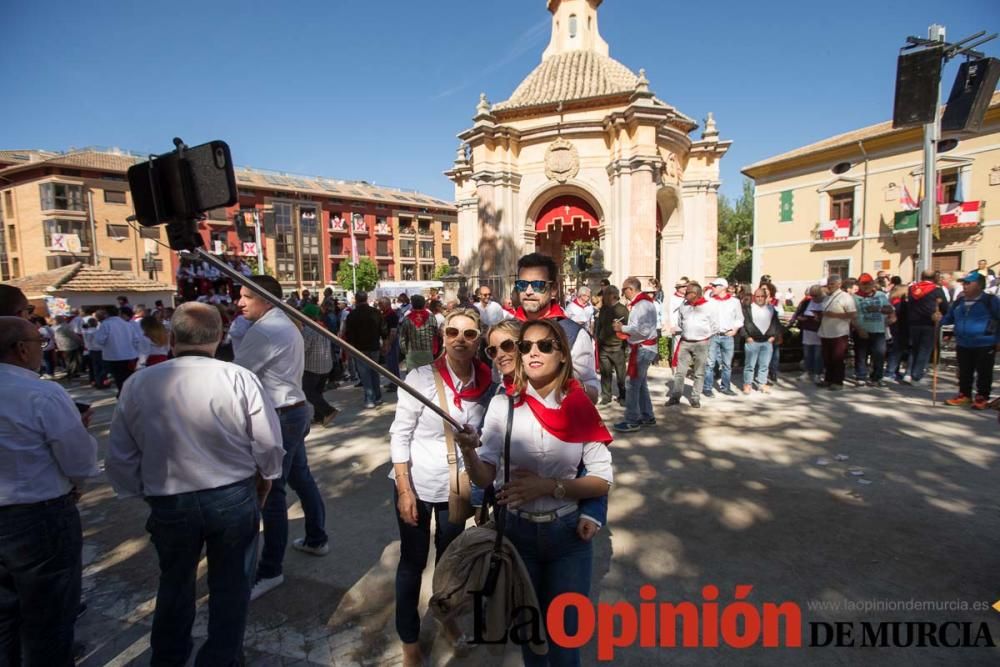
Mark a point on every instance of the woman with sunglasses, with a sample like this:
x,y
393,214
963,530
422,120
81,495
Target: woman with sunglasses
x,y
420,463
555,428
501,348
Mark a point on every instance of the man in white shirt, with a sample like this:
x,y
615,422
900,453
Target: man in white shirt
x,y
120,342
203,467
490,312
641,330
672,305
273,349
839,312
697,322
581,310
45,454
722,346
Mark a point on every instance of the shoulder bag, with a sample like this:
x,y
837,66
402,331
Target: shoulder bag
x,y
459,488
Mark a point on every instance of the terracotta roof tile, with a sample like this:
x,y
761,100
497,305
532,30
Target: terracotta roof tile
x,y
80,277
576,75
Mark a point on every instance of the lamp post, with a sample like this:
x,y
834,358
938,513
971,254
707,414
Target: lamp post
x,y
354,252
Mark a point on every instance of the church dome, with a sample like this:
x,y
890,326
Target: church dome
x,y
571,76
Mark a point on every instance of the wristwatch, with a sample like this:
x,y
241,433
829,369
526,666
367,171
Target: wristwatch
x,y
560,491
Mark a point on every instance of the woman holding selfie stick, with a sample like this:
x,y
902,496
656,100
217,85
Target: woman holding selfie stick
x,y
554,428
421,469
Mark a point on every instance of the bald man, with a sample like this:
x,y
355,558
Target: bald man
x,y
45,454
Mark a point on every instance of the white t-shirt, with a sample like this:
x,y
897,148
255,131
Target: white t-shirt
x,y
841,302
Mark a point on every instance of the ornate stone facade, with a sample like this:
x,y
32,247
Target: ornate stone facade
x,y
583,127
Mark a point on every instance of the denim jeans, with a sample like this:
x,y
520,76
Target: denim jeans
x,y
813,358
40,571
898,352
414,544
875,346
921,346
638,406
225,521
370,379
774,365
558,561
720,350
756,356
295,472
392,359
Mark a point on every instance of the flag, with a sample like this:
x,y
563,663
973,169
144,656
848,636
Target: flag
x,y
832,230
905,221
940,189
354,250
959,214
786,206
906,200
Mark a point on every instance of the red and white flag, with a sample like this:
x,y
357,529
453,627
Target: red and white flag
x,y
906,200
959,214
835,229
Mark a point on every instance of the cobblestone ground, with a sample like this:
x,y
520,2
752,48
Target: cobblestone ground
x,y
747,490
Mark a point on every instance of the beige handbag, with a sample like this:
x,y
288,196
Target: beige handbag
x,y
459,487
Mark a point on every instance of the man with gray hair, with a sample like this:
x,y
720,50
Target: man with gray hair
x,y
45,454
200,440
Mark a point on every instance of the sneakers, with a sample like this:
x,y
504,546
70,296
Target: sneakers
x,y
728,392
907,379
916,383
330,417
708,393
980,402
959,400
369,405
673,400
805,377
881,384
299,544
604,400
266,585
626,427
695,402
645,423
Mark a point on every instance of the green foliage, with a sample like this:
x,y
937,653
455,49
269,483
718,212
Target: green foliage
x,y
736,224
252,263
367,275
441,271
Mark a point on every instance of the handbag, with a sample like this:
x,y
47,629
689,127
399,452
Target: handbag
x,y
459,487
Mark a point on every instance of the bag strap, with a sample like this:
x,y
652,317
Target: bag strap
x,y
449,436
500,512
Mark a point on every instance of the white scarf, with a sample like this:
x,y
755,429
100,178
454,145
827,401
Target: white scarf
x,y
761,316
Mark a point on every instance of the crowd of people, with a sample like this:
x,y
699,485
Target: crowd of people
x,y
524,377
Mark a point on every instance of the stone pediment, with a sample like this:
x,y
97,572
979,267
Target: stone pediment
x,y
841,183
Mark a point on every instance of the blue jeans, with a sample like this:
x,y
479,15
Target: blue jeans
x,y
774,365
225,522
392,358
638,406
875,346
370,378
720,350
757,355
40,571
921,346
414,544
558,561
898,352
295,471
813,358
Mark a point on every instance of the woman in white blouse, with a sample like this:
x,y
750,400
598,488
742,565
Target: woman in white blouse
x,y
555,427
420,463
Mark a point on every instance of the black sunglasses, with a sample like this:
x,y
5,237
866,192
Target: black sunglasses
x,y
468,334
507,346
536,285
545,346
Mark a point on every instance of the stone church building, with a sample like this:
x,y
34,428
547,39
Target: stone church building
x,y
584,150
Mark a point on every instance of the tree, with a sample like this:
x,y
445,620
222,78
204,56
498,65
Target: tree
x,y
441,271
367,275
736,236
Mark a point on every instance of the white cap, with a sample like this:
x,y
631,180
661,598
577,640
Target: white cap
x,y
719,282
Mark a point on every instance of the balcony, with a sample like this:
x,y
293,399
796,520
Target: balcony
x,y
830,232
953,217
406,231
425,232
339,226
383,229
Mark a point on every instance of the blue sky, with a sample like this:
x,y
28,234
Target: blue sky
x,y
378,90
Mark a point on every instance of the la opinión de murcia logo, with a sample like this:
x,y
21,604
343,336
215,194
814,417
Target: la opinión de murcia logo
x,y
712,623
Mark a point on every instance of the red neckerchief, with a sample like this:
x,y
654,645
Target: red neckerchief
x,y
510,310
481,372
632,369
575,420
641,296
921,289
701,301
419,317
582,305
722,298
555,312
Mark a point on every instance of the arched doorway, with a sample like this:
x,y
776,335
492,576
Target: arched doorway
x,y
563,220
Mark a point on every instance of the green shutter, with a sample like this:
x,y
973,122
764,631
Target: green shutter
x,y
786,206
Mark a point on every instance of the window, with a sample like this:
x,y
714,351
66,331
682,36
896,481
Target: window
x,y
309,231
246,193
78,227
113,177
4,266
12,237
118,231
446,250
837,267
427,250
949,186
61,197
121,265
8,200
59,261
383,272
15,267
842,205
427,272
407,249
218,214
114,196
424,228
446,231
149,233
383,249
406,226
572,26
409,272
284,242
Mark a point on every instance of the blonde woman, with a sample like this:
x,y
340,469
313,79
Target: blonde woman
x,y
555,427
501,348
420,462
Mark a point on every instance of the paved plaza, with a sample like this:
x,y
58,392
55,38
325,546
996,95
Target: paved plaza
x,y
747,490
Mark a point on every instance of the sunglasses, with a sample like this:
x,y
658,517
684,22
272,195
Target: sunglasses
x,y
467,334
536,285
545,346
507,346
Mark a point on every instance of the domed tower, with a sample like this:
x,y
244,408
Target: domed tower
x,y
584,150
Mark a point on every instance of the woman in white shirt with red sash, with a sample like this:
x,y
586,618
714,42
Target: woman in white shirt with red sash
x,y
554,428
420,462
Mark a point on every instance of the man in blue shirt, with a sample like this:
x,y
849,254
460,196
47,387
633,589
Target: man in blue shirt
x,y
976,317
873,307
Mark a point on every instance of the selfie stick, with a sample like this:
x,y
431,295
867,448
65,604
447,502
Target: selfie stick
x,y
300,317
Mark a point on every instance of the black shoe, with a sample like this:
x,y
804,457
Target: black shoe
x,y
695,403
604,400
673,400
708,394
728,392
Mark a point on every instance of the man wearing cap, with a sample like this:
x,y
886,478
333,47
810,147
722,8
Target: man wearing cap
x,y
729,312
873,306
976,317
